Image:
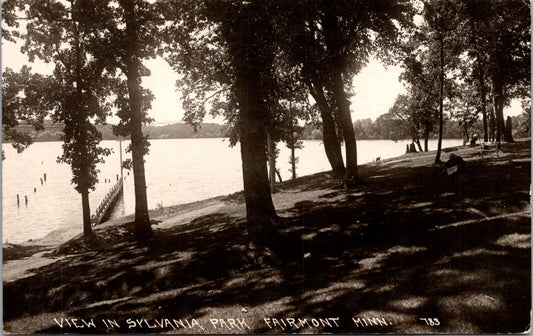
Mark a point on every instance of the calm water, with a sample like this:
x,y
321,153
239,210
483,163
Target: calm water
x,y
177,171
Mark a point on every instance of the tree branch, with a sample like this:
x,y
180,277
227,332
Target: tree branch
x,y
214,94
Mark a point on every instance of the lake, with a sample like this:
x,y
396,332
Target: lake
x,y
177,171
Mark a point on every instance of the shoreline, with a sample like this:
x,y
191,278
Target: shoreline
x,y
20,227
219,137
59,236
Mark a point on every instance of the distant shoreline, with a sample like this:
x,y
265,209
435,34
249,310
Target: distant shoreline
x,y
54,131
224,137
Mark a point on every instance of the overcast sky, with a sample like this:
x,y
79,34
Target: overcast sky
x,y
375,88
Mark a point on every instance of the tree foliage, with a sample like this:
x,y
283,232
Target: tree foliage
x,y
331,42
497,41
24,99
129,34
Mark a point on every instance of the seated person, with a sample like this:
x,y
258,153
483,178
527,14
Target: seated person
x,y
455,165
474,139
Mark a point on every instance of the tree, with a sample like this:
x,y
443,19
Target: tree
x,y
509,56
404,111
501,43
62,33
247,29
476,44
464,109
23,100
293,106
207,79
293,136
130,34
352,30
305,50
525,117
441,24
233,52
421,106
332,42
333,38
330,136
391,127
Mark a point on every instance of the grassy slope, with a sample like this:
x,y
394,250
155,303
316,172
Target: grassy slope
x,y
406,244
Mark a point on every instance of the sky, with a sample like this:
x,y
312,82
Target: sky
x,y
374,89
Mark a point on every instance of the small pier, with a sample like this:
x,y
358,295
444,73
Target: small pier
x,y
104,209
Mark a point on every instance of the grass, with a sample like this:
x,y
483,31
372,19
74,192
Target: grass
x,y
405,245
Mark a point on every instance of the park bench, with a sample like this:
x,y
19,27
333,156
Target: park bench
x,y
488,148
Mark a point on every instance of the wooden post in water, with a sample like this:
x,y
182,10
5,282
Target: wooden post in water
x,y
26,199
18,200
44,177
41,181
34,190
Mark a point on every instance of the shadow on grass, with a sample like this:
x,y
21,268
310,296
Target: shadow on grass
x,y
385,250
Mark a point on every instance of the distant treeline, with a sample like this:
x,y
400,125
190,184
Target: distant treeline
x,y
365,129
54,131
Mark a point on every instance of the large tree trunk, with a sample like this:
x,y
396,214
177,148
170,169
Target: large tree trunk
x,y
331,141
83,184
142,229
441,100
251,71
332,37
508,136
87,228
259,206
345,118
466,138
